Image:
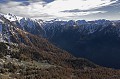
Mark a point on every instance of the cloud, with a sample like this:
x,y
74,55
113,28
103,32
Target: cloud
x,y
46,9
78,4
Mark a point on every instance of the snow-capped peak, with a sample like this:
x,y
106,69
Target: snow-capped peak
x,y
11,17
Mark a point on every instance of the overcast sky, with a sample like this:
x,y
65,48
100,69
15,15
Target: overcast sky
x,y
63,9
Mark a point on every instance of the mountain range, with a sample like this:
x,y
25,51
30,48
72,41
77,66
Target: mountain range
x,y
96,40
53,49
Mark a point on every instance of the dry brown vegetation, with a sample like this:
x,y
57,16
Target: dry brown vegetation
x,y
62,64
36,58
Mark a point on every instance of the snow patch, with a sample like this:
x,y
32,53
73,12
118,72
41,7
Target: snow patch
x,y
12,17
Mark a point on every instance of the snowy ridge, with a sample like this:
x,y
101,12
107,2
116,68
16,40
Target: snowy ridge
x,y
12,17
13,25
38,25
83,26
50,28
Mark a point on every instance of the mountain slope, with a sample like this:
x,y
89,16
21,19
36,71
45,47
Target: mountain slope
x,y
24,55
95,40
37,63
20,65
